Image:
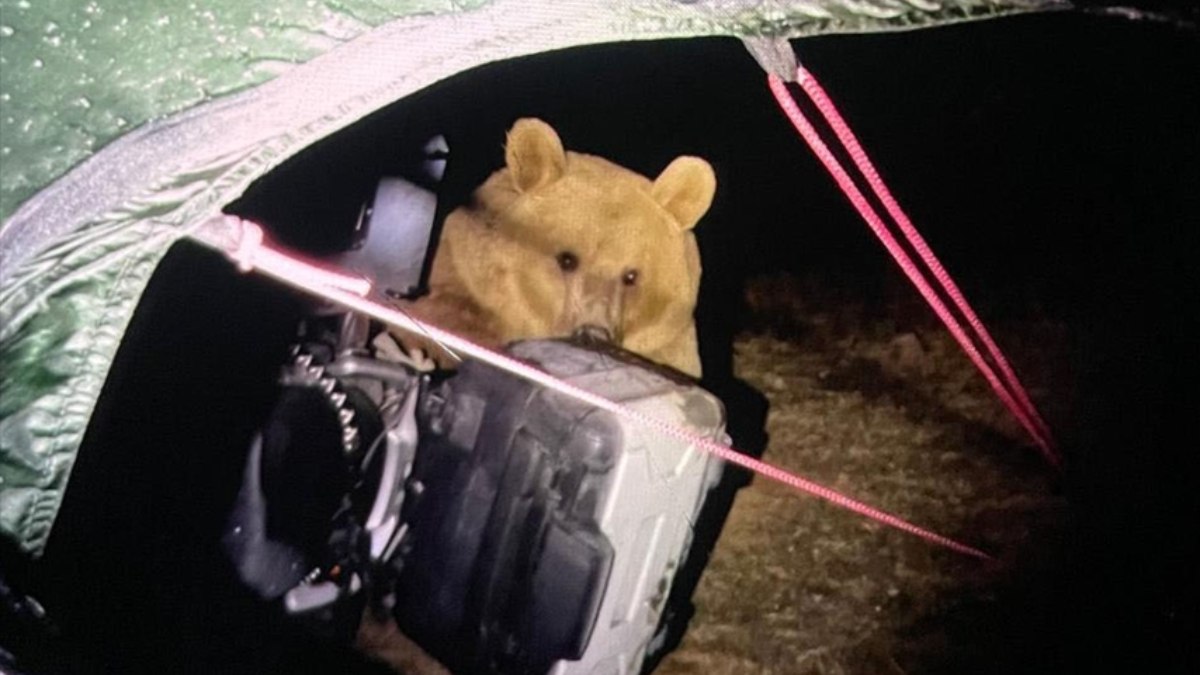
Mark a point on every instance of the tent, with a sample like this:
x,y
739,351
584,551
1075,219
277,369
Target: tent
x,y
214,100
77,255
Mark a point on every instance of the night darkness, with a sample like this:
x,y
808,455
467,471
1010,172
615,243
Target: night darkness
x,y
1051,161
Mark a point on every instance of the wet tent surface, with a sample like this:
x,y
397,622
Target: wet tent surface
x,y
130,62
1051,162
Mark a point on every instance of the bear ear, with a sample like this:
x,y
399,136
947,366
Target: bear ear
x,y
534,154
685,189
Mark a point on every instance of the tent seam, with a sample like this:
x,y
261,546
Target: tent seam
x,y
69,432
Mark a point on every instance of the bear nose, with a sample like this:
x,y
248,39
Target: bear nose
x,y
592,333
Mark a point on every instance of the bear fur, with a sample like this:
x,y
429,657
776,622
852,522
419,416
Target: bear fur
x,y
558,243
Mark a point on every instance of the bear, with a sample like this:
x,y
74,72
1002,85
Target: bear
x,y
559,244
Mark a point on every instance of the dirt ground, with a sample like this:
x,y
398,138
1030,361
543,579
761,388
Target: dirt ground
x,y
892,413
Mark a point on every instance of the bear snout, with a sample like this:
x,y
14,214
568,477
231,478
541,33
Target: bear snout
x,y
593,310
592,333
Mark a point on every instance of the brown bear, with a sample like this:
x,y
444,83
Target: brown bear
x,y
560,243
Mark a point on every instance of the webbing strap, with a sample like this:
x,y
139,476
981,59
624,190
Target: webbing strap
x,y
1005,383
243,242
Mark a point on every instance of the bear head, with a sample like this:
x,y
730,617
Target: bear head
x,y
562,243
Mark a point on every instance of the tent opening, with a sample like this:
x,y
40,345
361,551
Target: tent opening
x,y
1052,174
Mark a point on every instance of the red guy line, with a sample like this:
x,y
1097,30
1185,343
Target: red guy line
x,y
844,133
910,269
243,242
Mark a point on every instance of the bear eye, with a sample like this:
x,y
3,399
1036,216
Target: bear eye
x,y
567,261
630,277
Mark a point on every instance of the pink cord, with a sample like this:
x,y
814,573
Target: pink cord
x,y
817,93
249,249
1019,404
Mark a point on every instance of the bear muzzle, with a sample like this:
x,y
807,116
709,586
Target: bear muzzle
x,y
591,333
593,311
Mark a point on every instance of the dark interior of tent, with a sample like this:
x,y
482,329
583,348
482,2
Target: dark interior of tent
x,y
1052,163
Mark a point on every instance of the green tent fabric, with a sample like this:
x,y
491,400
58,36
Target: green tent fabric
x,y
217,96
